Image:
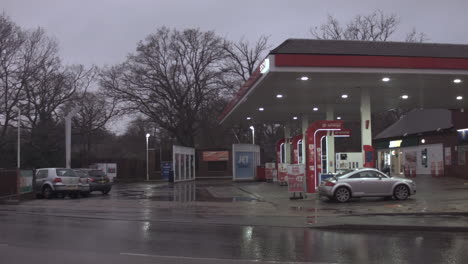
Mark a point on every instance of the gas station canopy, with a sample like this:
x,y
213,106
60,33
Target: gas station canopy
x,y
303,76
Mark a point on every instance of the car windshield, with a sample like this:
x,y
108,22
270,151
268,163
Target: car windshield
x,y
96,173
81,173
342,173
66,173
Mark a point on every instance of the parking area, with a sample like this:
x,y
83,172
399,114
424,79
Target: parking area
x,y
249,199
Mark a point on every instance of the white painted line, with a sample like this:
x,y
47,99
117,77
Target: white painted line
x,y
219,260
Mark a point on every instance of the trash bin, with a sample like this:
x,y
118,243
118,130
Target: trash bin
x,y
261,173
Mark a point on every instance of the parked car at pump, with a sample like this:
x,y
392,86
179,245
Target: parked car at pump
x,y
94,180
366,183
52,181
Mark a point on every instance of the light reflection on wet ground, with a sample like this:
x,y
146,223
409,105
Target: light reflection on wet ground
x,y
180,192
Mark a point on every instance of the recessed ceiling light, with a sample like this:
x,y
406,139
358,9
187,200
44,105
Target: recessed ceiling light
x,y
248,118
295,117
385,79
315,108
459,97
405,96
457,81
344,96
279,96
304,78
261,109
339,118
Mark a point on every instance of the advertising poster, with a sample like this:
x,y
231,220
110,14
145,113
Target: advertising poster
x,y
244,165
269,167
296,176
25,181
410,164
448,156
166,169
283,173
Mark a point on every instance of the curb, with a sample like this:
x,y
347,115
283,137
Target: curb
x,y
452,213
354,227
10,202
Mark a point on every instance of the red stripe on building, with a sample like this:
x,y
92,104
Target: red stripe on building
x,y
303,60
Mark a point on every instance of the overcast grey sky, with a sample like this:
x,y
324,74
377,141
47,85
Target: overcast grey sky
x,y
104,31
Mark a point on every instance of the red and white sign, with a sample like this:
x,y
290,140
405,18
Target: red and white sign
x,y
215,155
282,173
269,168
296,177
342,133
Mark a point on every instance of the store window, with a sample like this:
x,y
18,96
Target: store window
x,y
461,155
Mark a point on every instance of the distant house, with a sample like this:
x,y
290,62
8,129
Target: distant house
x,y
430,142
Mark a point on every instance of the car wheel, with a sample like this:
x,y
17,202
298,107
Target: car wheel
x,y
342,194
105,192
401,192
47,192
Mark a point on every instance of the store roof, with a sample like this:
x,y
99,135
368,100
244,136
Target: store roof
x,y
419,121
371,48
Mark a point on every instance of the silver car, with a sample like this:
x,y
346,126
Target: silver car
x,y
365,183
51,181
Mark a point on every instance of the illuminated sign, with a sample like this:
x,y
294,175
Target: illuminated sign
x,y
342,133
215,155
395,143
265,66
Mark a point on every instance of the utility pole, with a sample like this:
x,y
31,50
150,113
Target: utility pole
x,y
68,119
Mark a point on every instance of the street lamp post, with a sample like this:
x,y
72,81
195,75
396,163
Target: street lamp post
x,y
147,164
253,134
18,159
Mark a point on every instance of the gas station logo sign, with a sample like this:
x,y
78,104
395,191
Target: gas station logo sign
x,y
395,143
332,124
265,66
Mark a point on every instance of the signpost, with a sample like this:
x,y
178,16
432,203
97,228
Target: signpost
x,y
296,180
269,168
283,174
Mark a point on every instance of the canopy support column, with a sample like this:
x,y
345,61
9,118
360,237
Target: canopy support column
x,y
305,125
330,168
287,144
366,125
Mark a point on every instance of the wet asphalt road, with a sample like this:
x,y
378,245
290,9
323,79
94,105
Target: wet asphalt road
x,y
46,239
126,229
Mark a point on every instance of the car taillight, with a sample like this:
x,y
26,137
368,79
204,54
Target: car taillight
x,y
91,179
58,180
328,183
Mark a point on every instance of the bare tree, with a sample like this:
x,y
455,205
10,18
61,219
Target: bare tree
x,y
171,77
376,26
242,59
415,36
95,113
13,65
